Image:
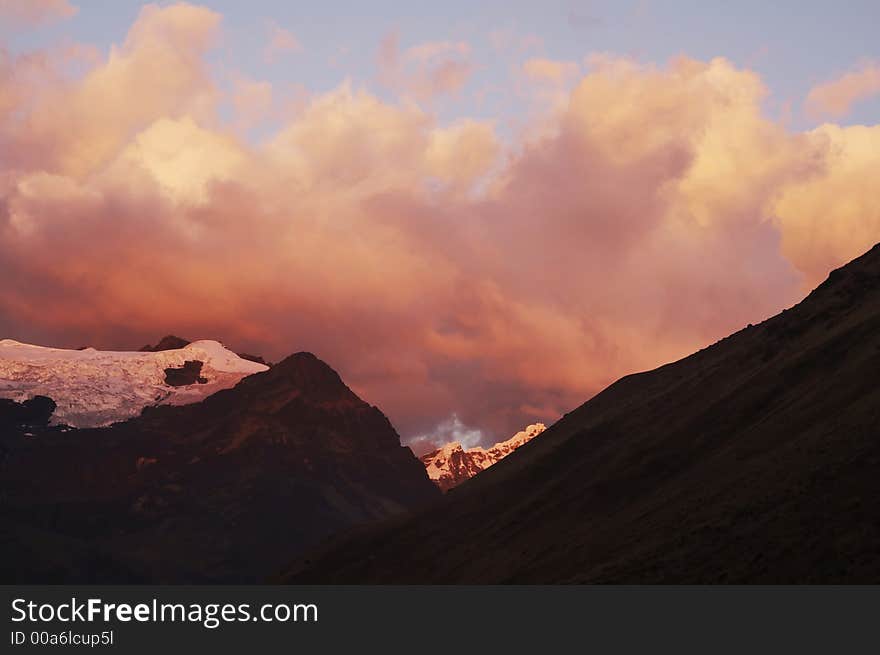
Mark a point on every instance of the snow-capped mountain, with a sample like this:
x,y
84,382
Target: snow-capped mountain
x,y
224,490
452,464
94,388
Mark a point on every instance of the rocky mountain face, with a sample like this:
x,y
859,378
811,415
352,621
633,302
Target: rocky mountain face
x,y
220,490
452,464
754,460
34,413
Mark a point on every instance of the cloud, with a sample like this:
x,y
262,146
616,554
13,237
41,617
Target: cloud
x,y
251,100
35,12
827,218
443,270
836,98
280,41
72,126
431,50
548,70
426,70
463,152
446,431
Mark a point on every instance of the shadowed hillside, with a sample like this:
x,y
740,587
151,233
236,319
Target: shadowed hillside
x,y
754,460
221,490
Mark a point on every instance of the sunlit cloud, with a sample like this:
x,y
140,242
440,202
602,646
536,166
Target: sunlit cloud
x,y
443,269
836,98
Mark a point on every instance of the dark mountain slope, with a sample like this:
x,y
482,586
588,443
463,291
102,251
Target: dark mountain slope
x,y
221,490
754,460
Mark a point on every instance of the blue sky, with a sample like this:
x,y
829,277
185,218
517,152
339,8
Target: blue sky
x,y
793,45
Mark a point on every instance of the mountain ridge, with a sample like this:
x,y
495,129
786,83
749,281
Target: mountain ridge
x,y
216,491
753,460
94,388
452,464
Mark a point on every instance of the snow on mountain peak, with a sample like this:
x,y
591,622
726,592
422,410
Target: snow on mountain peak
x,y
450,465
95,388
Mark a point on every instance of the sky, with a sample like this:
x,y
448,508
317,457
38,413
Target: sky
x,y
480,214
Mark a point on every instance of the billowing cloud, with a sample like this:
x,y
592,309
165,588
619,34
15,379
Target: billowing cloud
x,y
35,12
158,72
453,277
827,218
836,98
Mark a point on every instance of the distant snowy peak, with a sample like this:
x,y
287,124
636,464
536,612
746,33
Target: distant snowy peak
x,y
452,464
94,388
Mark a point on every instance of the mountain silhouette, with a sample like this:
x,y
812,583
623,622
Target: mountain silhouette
x,y
217,491
755,460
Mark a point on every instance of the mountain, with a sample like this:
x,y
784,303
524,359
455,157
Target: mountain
x,y
452,464
172,342
217,491
94,388
755,460
168,342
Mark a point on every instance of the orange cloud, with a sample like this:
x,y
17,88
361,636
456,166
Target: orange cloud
x,y
836,98
35,12
443,270
463,152
827,218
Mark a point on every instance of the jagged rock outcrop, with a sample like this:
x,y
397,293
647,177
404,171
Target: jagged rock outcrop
x,y
33,413
452,464
185,375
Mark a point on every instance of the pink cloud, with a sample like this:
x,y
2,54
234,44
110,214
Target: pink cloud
x,y
252,101
71,126
836,98
35,12
426,70
280,41
440,269
548,70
